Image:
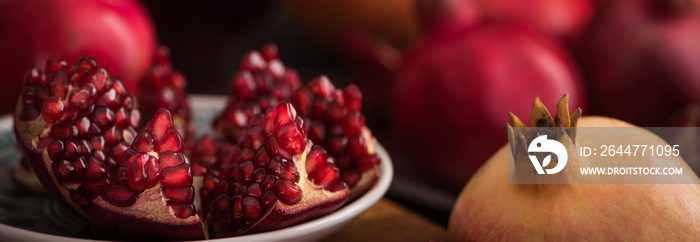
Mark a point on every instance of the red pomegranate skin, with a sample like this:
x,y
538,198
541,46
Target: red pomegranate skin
x,y
640,59
118,34
451,91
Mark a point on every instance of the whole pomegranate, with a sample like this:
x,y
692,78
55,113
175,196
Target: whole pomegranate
x,y
643,54
555,17
444,108
119,34
489,208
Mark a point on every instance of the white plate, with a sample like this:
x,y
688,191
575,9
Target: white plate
x,y
30,217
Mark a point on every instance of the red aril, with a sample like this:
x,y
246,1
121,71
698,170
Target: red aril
x,y
451,89
119,34
165,87
261,81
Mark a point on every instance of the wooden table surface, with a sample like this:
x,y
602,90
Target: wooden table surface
x,y
389,221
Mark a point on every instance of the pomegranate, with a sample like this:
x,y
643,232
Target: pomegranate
x,y
73,125
643,49
491,209
333,120
164,87
274,179
554,17
261,81
117,33
438,108
150,195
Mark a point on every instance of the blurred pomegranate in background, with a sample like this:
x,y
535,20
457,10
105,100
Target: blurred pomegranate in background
x,y
641,60
452,89
330,21
118,34
560,18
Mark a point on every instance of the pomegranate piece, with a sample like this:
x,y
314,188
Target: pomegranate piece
x,y
273,179
164,87
333,120
150,195
260,83
74,124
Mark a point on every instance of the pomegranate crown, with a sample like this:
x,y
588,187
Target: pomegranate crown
x,y
540,117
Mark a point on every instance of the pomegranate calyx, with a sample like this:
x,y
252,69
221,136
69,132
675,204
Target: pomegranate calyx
x,y
564,132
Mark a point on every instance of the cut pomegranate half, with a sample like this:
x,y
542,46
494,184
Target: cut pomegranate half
x,y
261,82
164,87
150,195
333,120
73,125
274,179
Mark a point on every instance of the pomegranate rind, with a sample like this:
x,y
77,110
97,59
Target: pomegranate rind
x,y
312,205
149,218
40,161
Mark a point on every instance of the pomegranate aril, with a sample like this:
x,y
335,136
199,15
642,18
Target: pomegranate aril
x,y
262,159
353,98
160,124
253,61
143,142
287,192
34,77
220,204
59,84
366,162
176,177
93,188
350,176
72,150
95,169
326,174
182,210
290,139
336,145
99,78
55,149
316,131
316,156
268,200
259,175
356,147
254,191
179,195
118,195
152,172
63,170
246,171
283,169
80,168
321,86
52,109
171,142
136,175
54,64
251,209
335,112
236,209
103,117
